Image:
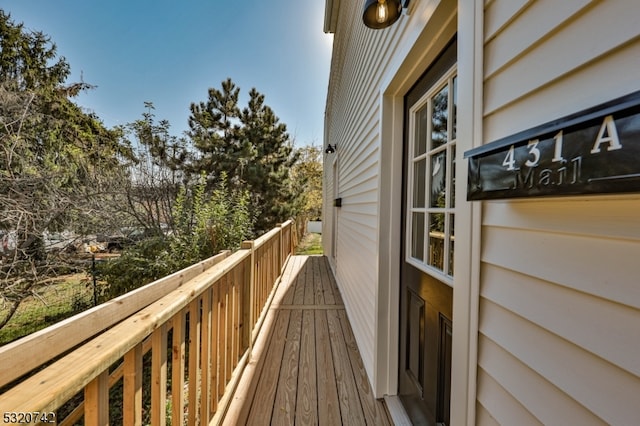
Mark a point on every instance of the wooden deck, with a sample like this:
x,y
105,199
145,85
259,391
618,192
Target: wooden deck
x,y
306,368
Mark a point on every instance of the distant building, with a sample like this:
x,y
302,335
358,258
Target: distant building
x,y
482,207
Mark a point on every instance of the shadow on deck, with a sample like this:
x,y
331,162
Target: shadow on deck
x,y
305,366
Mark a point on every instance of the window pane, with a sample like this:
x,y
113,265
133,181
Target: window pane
x,y
422,117
454,117
436,240
419,181
417,236
438,176
452,183
451,242
439,118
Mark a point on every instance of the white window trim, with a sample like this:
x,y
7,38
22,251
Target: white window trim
x,y
442,275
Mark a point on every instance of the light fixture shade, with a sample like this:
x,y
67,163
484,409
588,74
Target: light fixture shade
x,y
379,14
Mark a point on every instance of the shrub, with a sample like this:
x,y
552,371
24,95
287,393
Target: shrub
x,y
204,224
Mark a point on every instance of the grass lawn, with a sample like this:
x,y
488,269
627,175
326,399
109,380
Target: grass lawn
x,y
54,302
310,244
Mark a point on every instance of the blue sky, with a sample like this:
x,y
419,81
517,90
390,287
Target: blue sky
x,y
170,52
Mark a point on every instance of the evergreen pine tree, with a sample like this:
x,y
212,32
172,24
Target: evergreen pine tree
x,y
250,146
267,156
213,130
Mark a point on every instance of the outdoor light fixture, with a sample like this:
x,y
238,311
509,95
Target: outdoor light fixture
x,y
331,148
379,14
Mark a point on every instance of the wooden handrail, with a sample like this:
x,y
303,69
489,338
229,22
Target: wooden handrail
x,y
222,305
20,357
51,387
259,242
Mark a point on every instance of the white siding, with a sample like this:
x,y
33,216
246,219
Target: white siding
x,y
328,211
371,71
554,58
559,324
352,122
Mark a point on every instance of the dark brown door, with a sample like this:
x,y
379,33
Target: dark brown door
x,y
428,249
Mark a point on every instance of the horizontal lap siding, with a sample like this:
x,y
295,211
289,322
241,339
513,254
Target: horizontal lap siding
x,y
605,268
534,76
559,326
596,385
327,207
604,328
352,122
530,388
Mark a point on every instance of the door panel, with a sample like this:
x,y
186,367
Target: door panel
x,y
443,413
425,361
427,253
416,339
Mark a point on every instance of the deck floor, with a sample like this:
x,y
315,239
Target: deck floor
x,y
306,368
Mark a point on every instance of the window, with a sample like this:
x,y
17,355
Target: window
x,y
431,191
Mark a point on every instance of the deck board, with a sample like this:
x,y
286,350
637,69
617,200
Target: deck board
x,y
307,398
285,403
328,404
350,407
262,407
306,368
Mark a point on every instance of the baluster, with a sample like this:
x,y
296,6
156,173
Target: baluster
x,y
96,401
194,350
132,387
159,376
205,358
177,368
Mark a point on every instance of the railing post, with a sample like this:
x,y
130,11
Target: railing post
x,y
280,248
249,245
294,235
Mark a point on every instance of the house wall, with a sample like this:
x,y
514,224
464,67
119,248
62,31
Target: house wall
x,y
352,117
546,295
559,309
371,71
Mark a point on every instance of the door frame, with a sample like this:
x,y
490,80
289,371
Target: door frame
x,y
421,390
421,42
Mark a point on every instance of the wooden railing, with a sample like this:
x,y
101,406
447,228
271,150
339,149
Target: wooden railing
x,y
197,327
